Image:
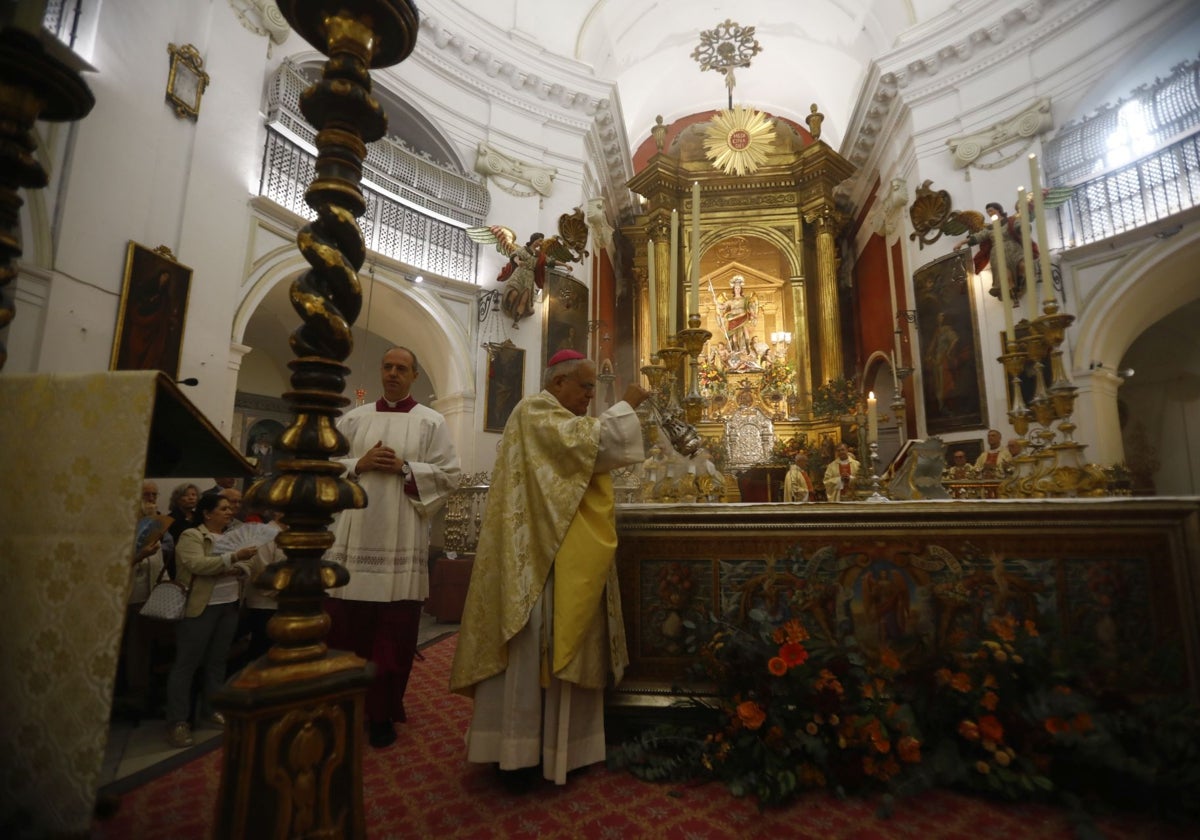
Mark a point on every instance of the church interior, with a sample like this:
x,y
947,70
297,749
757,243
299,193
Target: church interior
x,y
910,284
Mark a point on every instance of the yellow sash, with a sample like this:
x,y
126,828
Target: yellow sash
x,y
581,568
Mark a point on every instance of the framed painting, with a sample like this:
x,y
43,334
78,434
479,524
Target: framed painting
x,y
566,319
949,341
153,306
505,385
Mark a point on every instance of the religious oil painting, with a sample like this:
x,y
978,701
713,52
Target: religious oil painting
x,y
505,384
151,316
566,316
949,341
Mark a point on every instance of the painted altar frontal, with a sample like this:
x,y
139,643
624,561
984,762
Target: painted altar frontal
x,y
1116,582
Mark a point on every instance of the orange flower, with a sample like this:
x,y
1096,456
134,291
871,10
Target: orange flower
x,y
983,767
1030,628
990,701
793,653
1083,722
989,681
794,630
969,730
1002,758
1005,627
826,680
751,714
889,660
778,636
777,666
811,728
961,682
943,675
909,749
991,728
1055,725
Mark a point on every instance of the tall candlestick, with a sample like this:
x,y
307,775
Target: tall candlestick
x,y
1027,250
1000,273
673,282
1039,216
695,301
652,287
872,419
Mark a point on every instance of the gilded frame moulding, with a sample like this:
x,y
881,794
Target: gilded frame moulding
x,y
186,81
968,148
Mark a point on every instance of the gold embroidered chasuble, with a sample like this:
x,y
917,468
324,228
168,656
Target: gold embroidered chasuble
x,y
550,505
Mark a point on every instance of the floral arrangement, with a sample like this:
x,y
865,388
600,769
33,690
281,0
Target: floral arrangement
x,y
712,377
836,398
785,450
779,376
790,712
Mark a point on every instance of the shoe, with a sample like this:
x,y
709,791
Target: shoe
x,y
381,734
179,735
215,719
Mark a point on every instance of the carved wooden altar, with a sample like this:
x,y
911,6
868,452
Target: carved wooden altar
x,y
1115,581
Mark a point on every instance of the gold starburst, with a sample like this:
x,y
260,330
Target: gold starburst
x,y
737,140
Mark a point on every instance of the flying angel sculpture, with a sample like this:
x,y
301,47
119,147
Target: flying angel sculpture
x,y
526,268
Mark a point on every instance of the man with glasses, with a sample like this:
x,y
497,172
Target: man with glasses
x,y
542,628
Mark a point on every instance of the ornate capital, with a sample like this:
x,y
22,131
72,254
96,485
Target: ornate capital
x,y
1023,126
493,163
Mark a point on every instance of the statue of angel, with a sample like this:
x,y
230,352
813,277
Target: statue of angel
x,y
527,264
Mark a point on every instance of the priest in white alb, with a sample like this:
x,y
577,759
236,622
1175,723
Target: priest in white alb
x,y
542,633
401,454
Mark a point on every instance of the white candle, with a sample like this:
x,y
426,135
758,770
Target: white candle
x,y
1039,216
652,291
673,280
872,419
895,375
1027,251
1000,273
695,302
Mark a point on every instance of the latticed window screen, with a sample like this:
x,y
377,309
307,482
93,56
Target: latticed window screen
x,y
1157,130
409,198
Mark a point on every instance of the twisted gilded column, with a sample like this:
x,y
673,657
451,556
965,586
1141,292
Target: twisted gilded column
x,y
293,749
659,230
829,327
34,85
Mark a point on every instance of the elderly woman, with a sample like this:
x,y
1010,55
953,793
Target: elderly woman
x,y
204,635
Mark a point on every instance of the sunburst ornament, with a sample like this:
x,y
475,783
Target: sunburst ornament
x,y
737,140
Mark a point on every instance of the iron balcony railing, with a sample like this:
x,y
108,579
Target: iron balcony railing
x,y
1148,190
391,226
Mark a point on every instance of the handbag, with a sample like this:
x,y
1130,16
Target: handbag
x,y
167,600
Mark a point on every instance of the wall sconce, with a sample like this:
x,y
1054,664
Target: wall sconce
x,y
187,80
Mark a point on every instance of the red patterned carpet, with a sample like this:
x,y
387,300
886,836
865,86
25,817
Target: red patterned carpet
x,y
423,787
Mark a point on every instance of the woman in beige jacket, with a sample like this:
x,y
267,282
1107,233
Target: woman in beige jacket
x,y
204,635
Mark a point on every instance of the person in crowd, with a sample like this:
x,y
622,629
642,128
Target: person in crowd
x,y
797,484
1014,448
204,635
234,497
841,475
137,636
994,459
541,629
182,510
402,455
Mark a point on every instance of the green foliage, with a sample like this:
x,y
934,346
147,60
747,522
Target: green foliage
x,y
791,712
836,398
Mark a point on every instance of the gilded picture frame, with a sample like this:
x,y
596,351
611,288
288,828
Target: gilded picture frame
x,y
566,319
152,311
505,384
948,332
186,81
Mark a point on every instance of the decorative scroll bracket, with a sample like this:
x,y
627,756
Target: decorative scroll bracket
x,y
493,163
1030,122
